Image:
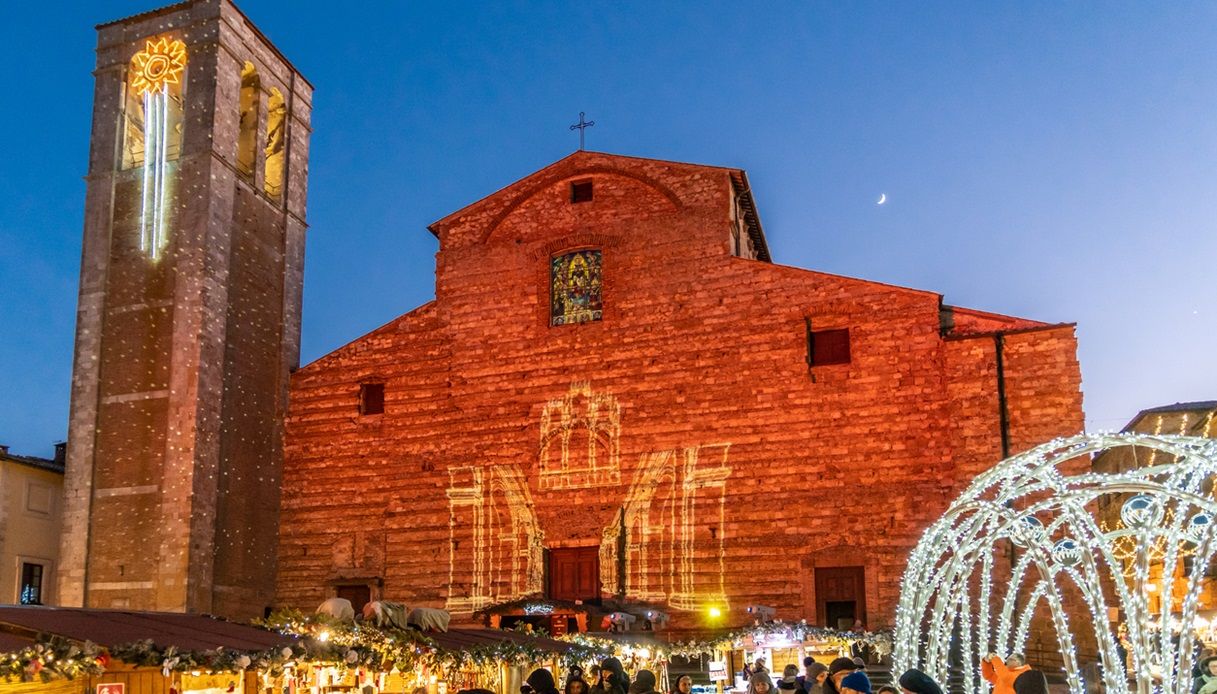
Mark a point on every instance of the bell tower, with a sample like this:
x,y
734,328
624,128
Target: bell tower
x,y
188,320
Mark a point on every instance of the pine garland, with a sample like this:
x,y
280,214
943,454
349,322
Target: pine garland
x,y
320,640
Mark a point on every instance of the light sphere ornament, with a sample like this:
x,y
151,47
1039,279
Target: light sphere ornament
x,y
1199,525
1067,552
1142,511
1027,531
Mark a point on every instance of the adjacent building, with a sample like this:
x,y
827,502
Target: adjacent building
x,y
31,502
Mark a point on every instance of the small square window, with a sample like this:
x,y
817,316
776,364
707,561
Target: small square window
x,y
581,191
829,347
371,398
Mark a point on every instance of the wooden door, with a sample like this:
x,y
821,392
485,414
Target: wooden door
x,y
574,573
358,594
840,595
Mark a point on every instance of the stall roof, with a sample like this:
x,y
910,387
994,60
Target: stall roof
x,y
13,642
116,627
20,624
460,639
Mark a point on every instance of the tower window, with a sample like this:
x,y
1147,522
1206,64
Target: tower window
x,y
581,191
575,286
825,347
371,398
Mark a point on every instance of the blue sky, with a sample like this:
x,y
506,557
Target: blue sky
x,y
1051,160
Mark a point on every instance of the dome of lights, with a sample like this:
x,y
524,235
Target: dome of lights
x,y
1043,533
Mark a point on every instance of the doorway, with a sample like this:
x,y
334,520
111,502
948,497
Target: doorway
x,y
840,595
359,594
574,574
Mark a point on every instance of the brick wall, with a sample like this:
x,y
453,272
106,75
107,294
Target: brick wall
x,y
182,359
740,469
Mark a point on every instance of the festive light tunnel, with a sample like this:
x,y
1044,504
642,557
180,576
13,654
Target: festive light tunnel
x,y
1043,531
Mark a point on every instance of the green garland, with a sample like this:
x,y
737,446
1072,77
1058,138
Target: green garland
x,y
880,641
323,641
53,658
411,650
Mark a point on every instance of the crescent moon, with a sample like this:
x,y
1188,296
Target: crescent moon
x,y
882,198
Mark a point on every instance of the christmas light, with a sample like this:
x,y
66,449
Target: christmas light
x,y
958,598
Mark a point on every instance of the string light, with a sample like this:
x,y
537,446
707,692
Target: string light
x,y
955,589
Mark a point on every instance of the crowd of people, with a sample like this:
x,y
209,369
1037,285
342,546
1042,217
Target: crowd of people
x,y
843,675
1010,675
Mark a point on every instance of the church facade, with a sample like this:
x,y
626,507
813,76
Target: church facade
x,y
617,395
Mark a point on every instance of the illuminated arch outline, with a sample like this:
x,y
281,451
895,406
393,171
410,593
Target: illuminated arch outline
x,y
950,574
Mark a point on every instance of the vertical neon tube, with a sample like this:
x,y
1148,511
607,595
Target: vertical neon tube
x,y
162,145
146,190
156,156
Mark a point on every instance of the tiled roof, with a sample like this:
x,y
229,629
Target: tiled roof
x,y
33,461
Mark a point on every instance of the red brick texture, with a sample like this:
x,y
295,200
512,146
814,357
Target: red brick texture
x,y
741,468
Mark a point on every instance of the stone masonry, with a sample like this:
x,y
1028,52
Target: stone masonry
x,y
181,365
730,470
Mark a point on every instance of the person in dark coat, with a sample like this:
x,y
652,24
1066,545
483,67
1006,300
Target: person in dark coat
x,y
838,670
644,683
1031,682
789,684
541,681
613,679
814,678
914,681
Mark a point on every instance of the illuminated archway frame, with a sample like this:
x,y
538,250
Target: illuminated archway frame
x,y
1028,499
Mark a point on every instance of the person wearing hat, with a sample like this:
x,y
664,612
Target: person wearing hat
x,y
759,683
1031,682
838,670
1206,683
541,681
1002,673
644,683
855,683
812,681
613,679
914,681
789,684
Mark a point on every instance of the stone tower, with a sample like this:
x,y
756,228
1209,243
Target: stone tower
x,y
188,321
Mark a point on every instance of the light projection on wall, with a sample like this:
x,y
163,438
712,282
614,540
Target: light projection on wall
x,y
962,598
580,435
153,133
495,543
671,520
673,525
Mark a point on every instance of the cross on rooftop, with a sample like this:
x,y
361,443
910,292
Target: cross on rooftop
x,y
582,127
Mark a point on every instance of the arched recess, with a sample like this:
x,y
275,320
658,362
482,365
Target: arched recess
x,y
247,134
544,183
